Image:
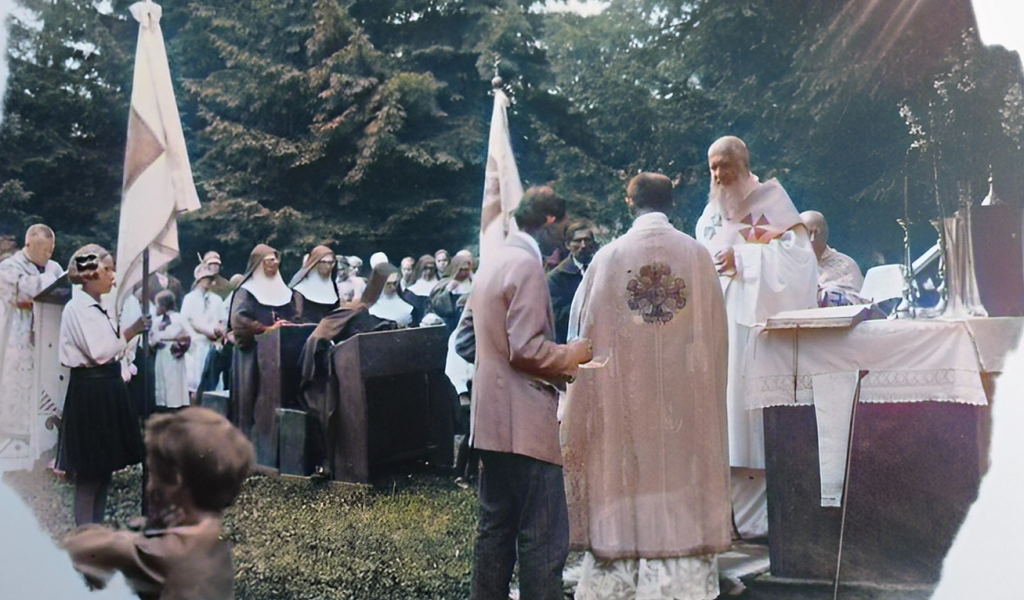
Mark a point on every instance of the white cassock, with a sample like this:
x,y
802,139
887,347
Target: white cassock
x,y
201,309
20,281
776,270
839,273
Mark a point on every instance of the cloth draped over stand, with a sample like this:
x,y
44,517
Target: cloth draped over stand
x,y
935,360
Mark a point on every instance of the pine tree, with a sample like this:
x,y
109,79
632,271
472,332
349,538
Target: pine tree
x,y
63,135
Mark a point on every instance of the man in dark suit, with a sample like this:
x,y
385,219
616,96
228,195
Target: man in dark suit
x,y
566,277
514,424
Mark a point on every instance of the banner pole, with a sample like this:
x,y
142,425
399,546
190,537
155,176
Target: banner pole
x,y
146,399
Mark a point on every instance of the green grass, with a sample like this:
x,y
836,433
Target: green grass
x,y
408,536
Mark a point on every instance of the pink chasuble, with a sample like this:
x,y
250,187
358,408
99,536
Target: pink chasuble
x,y
644,436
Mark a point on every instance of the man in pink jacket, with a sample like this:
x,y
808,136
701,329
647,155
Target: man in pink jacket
x,y
514,425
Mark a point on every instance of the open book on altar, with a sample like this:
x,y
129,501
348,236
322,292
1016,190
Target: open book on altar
x,y
821,318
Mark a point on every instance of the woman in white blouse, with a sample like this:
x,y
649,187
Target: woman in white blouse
x,y
100,430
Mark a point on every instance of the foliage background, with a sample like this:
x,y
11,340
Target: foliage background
x,y
362,123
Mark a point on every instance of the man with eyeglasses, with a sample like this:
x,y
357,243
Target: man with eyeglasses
x,y
566,277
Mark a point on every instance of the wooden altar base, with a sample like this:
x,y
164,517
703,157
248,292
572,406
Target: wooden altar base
x,y
915,471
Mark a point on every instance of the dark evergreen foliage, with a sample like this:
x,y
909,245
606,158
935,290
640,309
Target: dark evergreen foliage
x,y
363,123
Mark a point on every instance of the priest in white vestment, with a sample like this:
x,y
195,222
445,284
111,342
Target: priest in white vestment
x,y
644,434
765,263
22,276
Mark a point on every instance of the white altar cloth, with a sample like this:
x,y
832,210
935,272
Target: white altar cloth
x,y
906,361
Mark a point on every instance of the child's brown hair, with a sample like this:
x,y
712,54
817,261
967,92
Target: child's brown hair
x,y
210,454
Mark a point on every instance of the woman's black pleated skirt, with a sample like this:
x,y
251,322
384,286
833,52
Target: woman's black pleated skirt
x,y
100,431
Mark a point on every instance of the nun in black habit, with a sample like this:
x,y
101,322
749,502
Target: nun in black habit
x,y
318,392
315,283
261,302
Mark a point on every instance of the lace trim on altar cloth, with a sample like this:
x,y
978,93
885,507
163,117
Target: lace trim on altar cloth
x,y
879,387
778,390
685,578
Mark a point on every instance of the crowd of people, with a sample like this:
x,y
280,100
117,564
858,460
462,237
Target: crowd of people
x,y
605,384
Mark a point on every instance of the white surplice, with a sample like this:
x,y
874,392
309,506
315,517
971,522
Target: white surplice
x,y
20,281
838,272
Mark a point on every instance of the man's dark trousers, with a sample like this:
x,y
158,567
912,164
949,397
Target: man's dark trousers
x,y
522,507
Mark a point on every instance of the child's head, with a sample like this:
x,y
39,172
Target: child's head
x,y
199,451
92,267
165,302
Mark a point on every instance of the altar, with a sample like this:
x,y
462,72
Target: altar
x,y
918,452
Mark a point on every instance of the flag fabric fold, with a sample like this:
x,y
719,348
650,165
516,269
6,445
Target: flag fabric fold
x,y
158,181
502,188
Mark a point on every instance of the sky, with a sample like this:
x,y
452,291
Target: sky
x,y
1001,22
584,7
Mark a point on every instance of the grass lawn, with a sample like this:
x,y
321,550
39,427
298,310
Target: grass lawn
x,y
410,535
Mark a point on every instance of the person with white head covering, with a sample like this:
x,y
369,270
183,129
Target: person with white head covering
x,y
261,302
204,313
315,283
424,276
390,305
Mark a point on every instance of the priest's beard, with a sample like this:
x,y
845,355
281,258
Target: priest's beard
x,y
725,196
728,197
